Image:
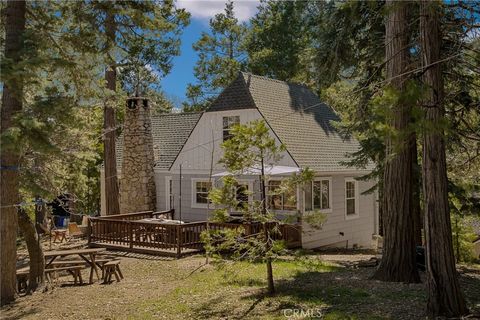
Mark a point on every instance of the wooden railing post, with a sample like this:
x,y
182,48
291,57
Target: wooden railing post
x,y
179,240
130,234
89,231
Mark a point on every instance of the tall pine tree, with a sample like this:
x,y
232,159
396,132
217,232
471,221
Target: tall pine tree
x,y
221,56
279,39
12,100
444,295
398,258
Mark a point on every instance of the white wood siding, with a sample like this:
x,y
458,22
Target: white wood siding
x,y
357,231
197,152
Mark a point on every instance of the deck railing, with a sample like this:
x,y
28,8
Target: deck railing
x,y
126,232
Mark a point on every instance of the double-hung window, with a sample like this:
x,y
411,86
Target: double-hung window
x,y
200,193
321,194
169,193
351,198
228,123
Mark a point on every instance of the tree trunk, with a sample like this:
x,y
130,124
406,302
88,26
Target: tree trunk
x,y
110,163
270,283
40,221
11,105
444,295
35,252
398,260
415,205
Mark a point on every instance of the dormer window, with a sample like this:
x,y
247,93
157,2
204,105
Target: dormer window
x,y
228,123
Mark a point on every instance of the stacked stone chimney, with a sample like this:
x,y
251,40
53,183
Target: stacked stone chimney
x,y
137,185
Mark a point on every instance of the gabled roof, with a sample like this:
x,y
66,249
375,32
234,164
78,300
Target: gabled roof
x,y
296,115
170,131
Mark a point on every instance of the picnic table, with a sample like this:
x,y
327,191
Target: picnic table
x,y
161,221
86,254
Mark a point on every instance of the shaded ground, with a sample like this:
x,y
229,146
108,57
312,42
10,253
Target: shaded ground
x,y
158,288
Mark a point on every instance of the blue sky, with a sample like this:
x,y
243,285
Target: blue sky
x,y
175,83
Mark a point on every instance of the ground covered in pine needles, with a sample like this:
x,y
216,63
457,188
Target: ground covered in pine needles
x,y
326,286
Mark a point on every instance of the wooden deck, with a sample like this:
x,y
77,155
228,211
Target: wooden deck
x,y
126,232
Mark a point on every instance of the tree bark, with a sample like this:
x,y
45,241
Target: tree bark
x,y
35,252
110,163
415,205
270,283
444,295
398,260
40,221
11,105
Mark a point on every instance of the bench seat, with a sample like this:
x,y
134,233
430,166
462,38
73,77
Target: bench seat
x,y
75,271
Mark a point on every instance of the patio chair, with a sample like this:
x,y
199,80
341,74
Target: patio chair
x,y
74,231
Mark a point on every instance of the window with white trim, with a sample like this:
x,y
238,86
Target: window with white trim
x,y
228,123
202,188
321,194
169,193
282,201
351,197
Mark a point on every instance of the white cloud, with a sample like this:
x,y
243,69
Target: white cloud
x,y
206,9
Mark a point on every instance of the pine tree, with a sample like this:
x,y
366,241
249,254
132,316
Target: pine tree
x,y
444,295
142,36
252,146
53,138
279,39
112,204
12,96
221,56
398,256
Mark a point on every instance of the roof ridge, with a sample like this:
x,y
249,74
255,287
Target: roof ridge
x,y
274,80
158,115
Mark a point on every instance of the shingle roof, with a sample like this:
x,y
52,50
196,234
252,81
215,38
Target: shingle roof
x,y
170,131
235,96
297,116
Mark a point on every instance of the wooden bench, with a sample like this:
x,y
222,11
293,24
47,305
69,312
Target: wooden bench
x,y
99,262
59,234
74,270
112,267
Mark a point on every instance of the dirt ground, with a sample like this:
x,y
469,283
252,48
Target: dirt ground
x,y
164,288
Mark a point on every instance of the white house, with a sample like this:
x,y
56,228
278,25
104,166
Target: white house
x,y
296,118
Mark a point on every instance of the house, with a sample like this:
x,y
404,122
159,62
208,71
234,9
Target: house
x,y
187,143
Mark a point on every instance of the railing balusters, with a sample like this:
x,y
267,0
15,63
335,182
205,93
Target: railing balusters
x,y
129,233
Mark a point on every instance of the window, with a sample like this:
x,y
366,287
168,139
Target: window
x,y
201,190
228,122
283,201
169,193
321,194
275,201
351,197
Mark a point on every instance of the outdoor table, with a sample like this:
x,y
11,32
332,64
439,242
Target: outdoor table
x,y
83,253
159,233
161,221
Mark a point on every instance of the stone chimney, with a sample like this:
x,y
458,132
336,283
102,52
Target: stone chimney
x,y
137,184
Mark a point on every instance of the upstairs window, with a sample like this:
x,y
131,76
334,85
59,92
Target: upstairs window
x,y
228,123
